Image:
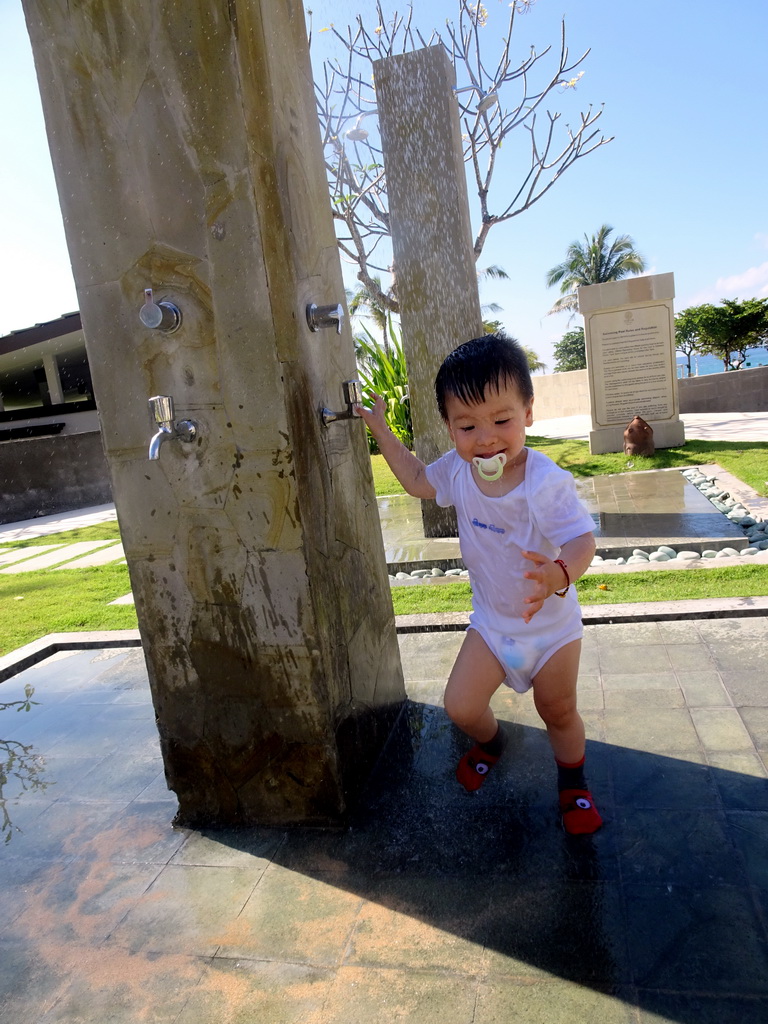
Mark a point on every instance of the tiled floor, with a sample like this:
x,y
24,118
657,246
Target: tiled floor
x,y
433,905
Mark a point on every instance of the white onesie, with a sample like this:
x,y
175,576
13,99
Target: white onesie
x,y
541,514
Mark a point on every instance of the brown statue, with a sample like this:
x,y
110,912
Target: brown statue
x,y
638,438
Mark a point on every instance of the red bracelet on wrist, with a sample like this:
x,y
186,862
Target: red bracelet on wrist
x,y
564,567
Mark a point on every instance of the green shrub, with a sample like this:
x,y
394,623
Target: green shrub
x,y
384,371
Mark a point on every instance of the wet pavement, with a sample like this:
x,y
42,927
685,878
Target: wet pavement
x,y
630,510
432,905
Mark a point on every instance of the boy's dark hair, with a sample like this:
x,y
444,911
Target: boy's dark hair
x,y
491,362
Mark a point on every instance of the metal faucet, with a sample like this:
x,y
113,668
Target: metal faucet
x,y
353,395
325,316
161,407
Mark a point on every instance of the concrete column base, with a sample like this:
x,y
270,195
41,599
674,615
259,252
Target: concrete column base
x,y
666,434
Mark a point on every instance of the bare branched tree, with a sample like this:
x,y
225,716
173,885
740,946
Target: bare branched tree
x,y
354,161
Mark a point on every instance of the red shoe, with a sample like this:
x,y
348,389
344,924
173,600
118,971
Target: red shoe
x,y
473,768
580,816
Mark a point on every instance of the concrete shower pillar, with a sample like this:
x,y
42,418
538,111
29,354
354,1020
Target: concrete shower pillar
x,y
431,236
188,159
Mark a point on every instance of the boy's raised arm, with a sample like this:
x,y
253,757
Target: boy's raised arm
x,y
408,469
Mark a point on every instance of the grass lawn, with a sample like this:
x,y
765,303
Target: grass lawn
x,y
604,588
62,601
747,460
101,531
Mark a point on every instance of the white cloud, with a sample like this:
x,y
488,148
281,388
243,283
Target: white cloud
x,y
751,283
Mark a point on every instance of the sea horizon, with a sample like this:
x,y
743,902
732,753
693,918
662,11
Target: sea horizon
x,y
702,366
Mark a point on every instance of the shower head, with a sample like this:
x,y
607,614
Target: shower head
x,y
487,99
358,133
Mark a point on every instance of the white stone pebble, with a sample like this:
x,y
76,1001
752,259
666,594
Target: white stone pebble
x,y
688,556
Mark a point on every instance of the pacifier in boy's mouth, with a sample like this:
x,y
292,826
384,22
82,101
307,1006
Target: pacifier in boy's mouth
x,y
492,468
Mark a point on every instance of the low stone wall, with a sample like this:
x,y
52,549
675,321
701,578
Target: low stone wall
x,y
560,394
40,476
567,394
735,391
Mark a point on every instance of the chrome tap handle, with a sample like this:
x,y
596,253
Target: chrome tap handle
x,y
325,316
161,407
353,395
161,316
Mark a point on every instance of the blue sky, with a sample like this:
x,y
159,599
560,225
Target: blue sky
x,y
683,85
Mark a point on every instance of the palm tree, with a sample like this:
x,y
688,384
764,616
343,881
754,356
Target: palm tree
x,y
365,303
593,262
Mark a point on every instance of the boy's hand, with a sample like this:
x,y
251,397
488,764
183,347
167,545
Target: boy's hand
x,y
547,577
373,417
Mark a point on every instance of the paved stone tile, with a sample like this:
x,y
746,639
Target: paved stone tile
x,y
656,1007
705,940
643,780
624,660
750,834
101,557
112,984
439,924
649,698
747,689
639,680
251,992
51,558
10,555
361,994
503,1000
721,729
657,730
321,925
251,848
79,901
187,910
30,983
316,931
624,634
572,932
59,830
429,655
677,847
756,721
703,689
691,657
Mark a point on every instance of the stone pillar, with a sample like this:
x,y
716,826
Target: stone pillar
x,y
629,328
188,159
434,260
53,379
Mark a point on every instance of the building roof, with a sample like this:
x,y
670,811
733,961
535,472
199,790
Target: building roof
x,y
67,323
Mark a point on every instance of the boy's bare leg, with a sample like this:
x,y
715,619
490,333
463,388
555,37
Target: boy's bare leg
x,y
554,694
475,677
